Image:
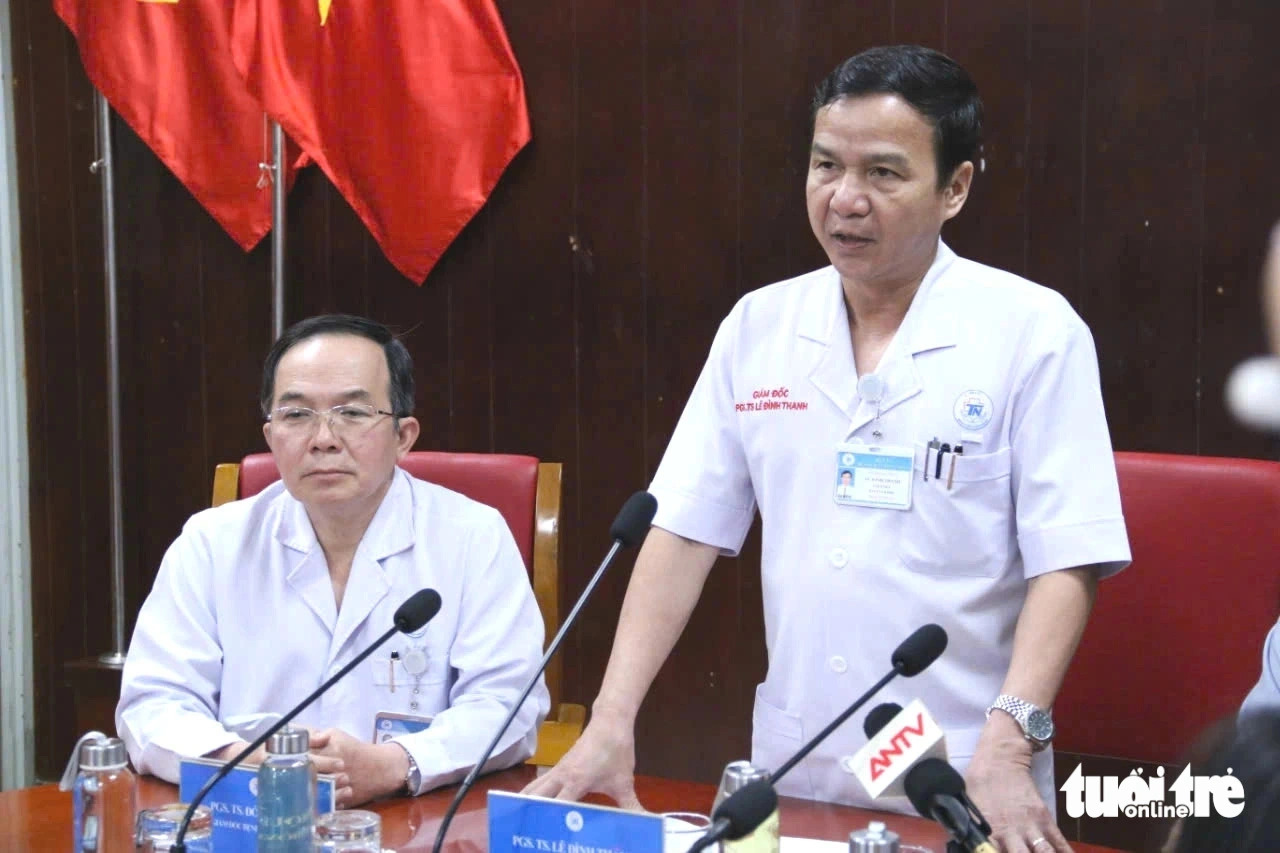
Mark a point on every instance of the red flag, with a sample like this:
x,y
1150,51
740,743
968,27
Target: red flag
x,y
413,108
166,69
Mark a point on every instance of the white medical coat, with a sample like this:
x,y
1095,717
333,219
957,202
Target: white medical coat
x,y
241,625
843,585
1265,695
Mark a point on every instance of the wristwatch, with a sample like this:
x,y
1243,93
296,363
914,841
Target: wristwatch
x,y
1037,725
412,776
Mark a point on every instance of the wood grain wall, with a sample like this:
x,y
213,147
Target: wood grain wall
x,y
1130,164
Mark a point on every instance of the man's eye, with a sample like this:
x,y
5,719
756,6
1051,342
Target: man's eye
x,y
353,413
296,414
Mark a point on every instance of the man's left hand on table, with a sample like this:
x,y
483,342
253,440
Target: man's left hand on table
x,y
999,783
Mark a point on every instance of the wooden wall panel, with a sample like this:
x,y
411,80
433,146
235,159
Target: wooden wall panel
x,y
59,204
1058,48
1241,197
990,41
610,248
1129,166
692,113
1144,167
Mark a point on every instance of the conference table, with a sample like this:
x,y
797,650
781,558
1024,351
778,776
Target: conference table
x,y
38,820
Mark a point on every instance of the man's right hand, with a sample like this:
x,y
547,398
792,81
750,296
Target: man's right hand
x,y
323,763
603,761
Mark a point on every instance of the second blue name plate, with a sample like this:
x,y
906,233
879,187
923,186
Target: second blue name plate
x,y
522,824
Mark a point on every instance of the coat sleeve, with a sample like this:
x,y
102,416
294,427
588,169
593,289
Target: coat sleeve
x,y
169,688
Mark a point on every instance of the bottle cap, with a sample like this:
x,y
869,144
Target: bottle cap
x,y
876,838
289,741
737,774
105,754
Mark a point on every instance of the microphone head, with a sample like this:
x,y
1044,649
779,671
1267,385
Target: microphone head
x,y
417,610
747,808
634,519
930,778
1253,393
919,650
879,717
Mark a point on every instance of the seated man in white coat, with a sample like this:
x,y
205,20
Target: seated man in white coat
x,y
984,498
260,600
1265,696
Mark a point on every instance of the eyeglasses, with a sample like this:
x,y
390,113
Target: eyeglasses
x,y
348,419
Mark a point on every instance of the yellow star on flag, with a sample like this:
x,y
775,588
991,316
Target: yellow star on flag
x,y
324,9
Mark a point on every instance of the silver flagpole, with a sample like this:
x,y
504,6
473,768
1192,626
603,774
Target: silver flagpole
x,y
105,166
280,174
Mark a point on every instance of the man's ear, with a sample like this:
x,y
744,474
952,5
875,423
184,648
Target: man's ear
x,y
407,436
956,192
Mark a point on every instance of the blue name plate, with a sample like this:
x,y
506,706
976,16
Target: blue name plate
x,y
234,801
522,824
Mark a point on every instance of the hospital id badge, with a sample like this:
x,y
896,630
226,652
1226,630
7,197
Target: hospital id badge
x,y
388,725
876,476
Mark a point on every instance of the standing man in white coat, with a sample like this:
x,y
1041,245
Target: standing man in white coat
x,y
261,600
985,497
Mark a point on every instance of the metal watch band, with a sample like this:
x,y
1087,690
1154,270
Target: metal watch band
x,y
412,776
1035,722
1017,708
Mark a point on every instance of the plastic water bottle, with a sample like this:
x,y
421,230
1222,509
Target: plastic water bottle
x,y
876,838
766,837
104,795
286,794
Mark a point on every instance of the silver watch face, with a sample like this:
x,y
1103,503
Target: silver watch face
x,y
1039,726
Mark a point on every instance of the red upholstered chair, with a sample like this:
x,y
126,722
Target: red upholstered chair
x,y
1175,640
526,492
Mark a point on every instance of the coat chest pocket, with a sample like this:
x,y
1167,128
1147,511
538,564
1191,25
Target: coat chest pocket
x,y
966,530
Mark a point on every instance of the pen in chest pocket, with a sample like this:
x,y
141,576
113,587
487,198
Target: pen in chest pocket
x,y
951,472
928,452
391,670
942,451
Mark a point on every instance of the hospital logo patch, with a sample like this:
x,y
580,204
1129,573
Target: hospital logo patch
x,y
973,410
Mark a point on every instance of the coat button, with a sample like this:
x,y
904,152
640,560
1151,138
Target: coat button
x,y
839,557
838,664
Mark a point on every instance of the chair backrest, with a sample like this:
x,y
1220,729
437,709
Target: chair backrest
x,y
506,482
1175,641
525,491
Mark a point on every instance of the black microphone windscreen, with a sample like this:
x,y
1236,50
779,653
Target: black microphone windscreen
x,y
747,808
928,779
879,717
634,519
919,650
418,610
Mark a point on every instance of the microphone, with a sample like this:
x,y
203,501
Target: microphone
x,y
628,529
910,658
418,610
1253,393
740,814
897,740
936,789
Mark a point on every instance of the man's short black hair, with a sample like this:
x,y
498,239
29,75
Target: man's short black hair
x,y
933,83
399,362
1251,753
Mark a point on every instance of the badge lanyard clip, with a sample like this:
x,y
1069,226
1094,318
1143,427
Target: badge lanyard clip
x,y
871,390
